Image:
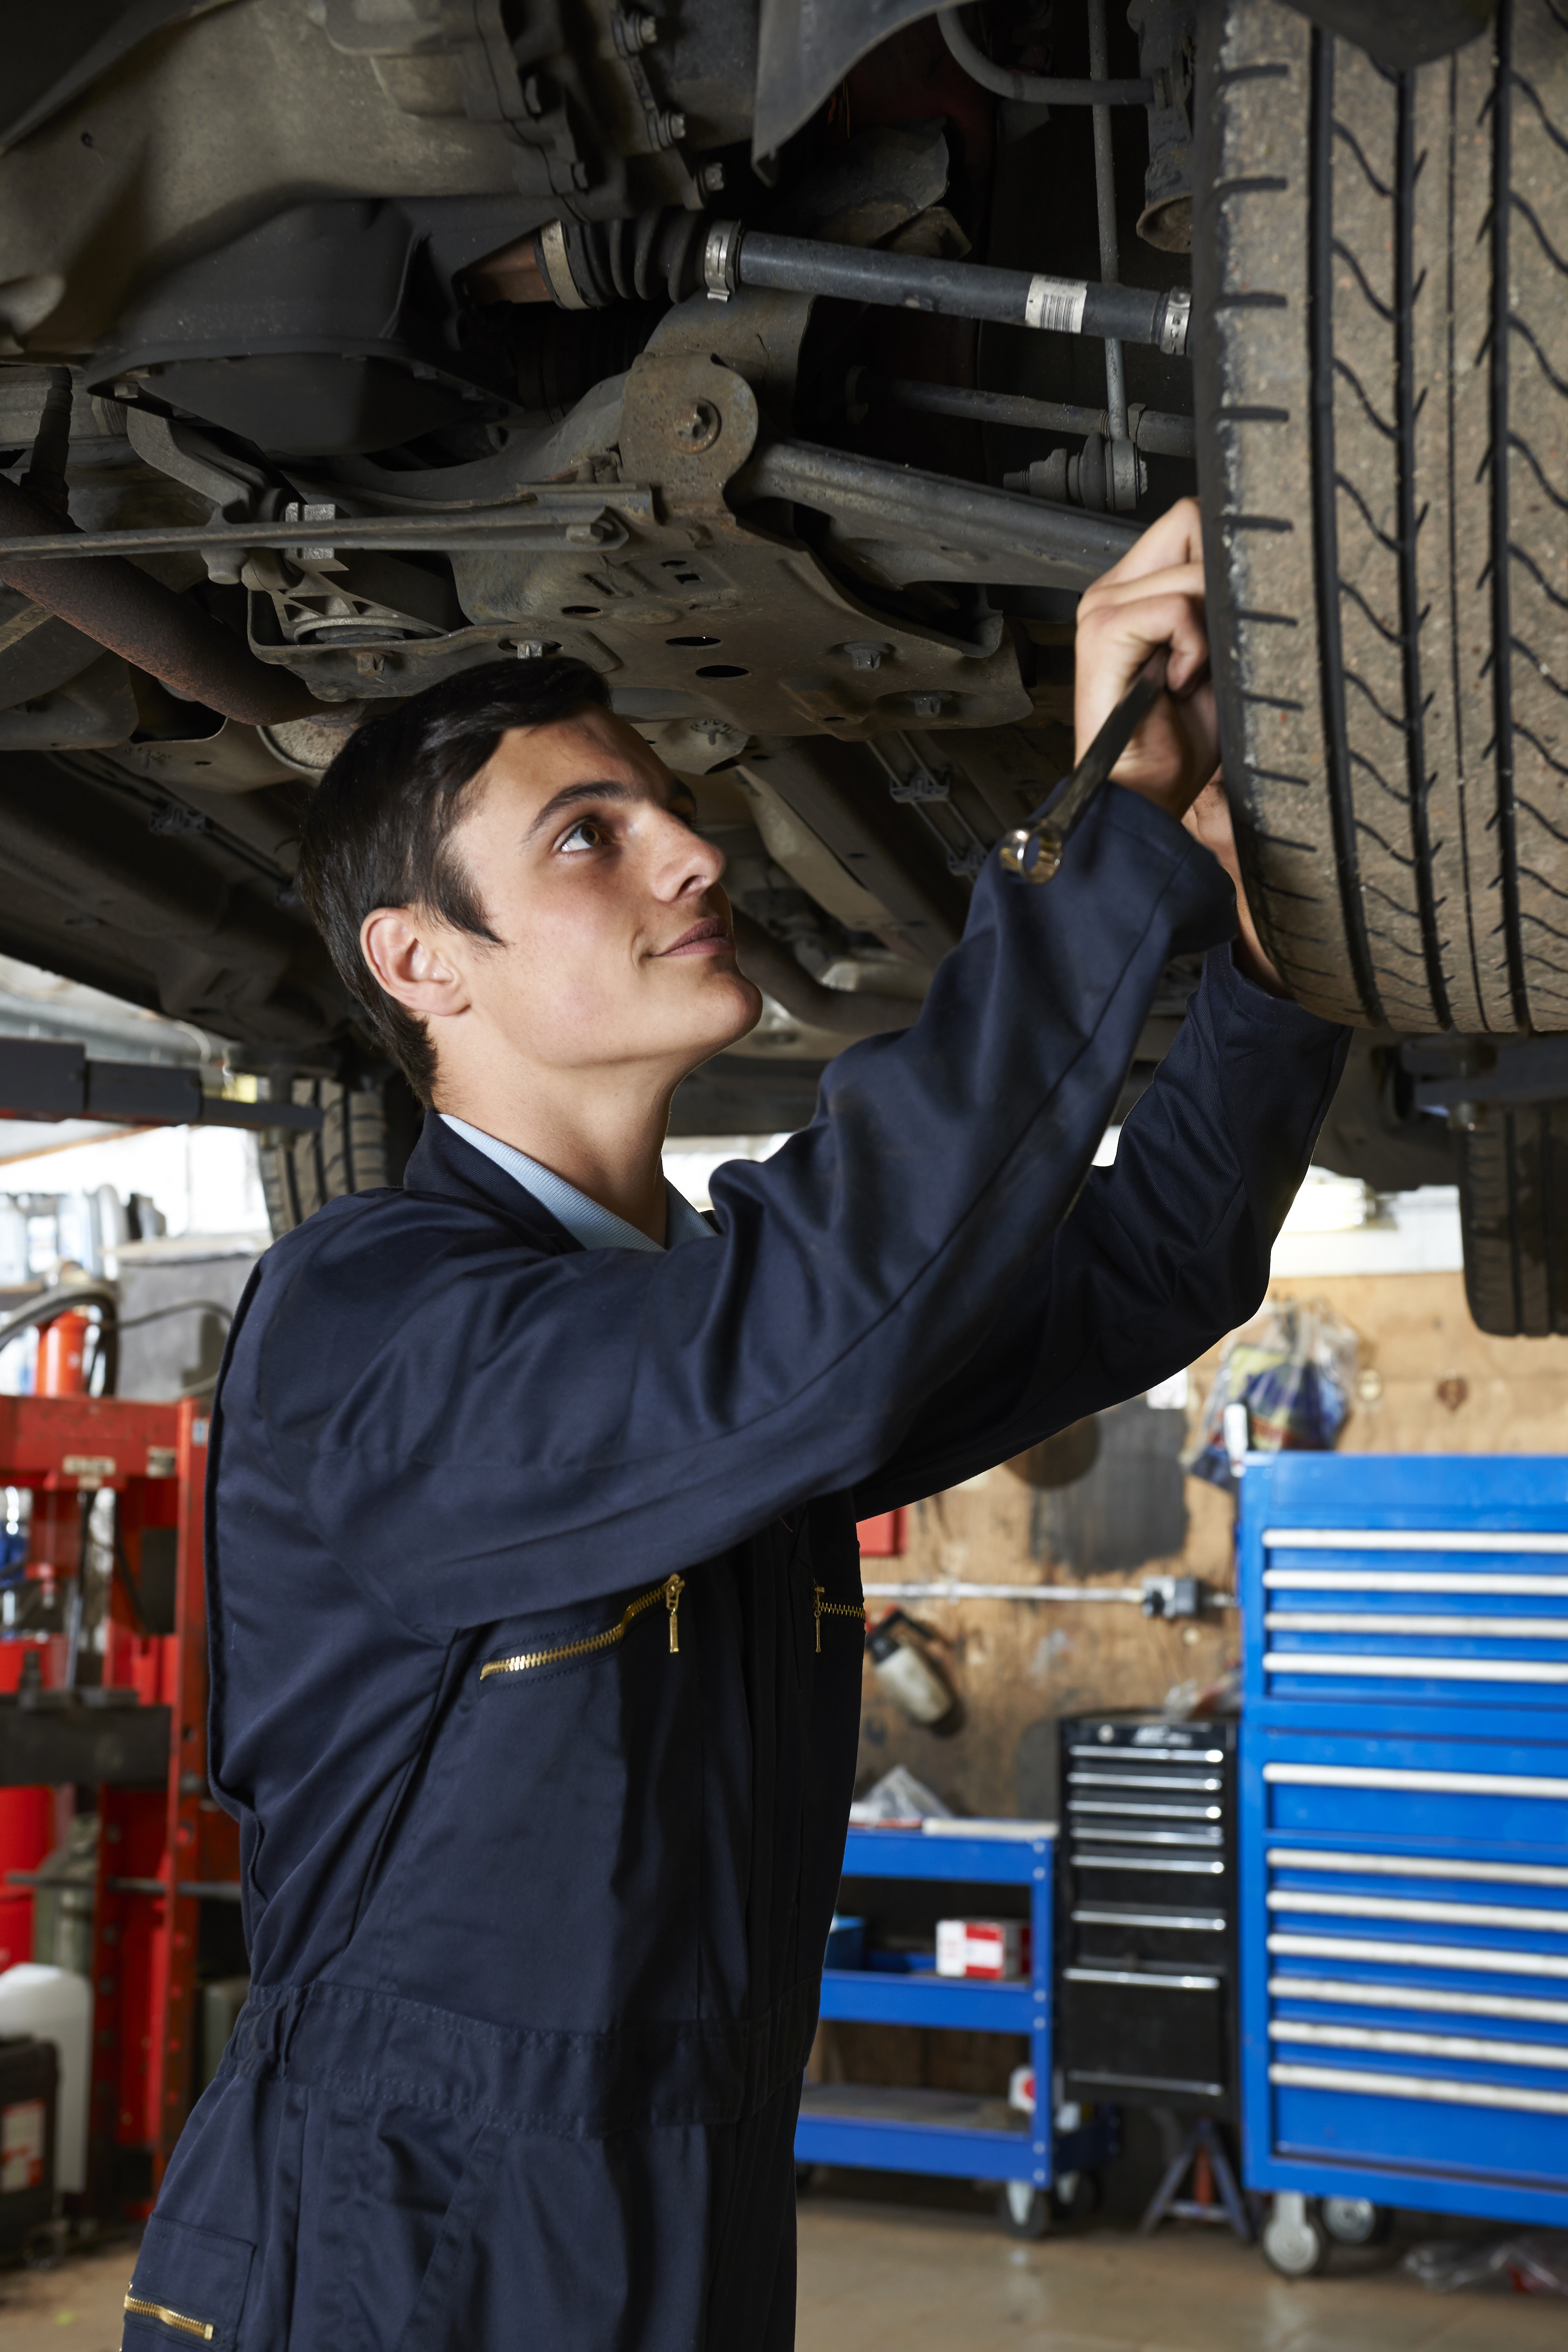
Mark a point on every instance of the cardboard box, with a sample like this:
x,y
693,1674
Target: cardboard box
x,y
995,1949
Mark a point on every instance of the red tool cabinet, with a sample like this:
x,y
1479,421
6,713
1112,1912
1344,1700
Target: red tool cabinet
x,y
139,1736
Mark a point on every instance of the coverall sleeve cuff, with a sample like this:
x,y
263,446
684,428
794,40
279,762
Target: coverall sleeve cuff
x,y
1198,902
1243,997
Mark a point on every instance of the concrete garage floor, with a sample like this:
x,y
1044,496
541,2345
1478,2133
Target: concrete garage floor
x,y
891,2279
894,2278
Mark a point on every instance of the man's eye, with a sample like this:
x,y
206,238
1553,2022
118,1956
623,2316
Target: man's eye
x,y
586,833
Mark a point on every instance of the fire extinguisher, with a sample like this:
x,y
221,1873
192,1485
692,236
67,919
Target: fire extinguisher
x,y
899,1650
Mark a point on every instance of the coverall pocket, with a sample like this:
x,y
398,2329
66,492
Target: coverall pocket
x,y
188,2288
564,1651
399,2187
440,2311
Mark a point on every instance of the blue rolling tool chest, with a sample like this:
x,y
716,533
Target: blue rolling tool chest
x,y
1404,1839
920,2130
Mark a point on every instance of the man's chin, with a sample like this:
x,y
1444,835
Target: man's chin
x,y
727,1025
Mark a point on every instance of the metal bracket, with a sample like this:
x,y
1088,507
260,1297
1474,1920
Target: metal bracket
x,y
687,426
721,261
1174,321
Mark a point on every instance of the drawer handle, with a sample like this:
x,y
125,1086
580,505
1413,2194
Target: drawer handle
x,y
1138,1976
1189,1784
1500,1540
1414,1580
1441,1915
1160,1755
1423,1956
1415,1865
1144,1862
1432,1628
1209,1926
1434,1668
1421,2086
1359,1993
1452,2046
1446,1784
1146,1812
1114,2083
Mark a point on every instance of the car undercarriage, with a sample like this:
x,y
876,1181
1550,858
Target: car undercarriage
x,y
797,368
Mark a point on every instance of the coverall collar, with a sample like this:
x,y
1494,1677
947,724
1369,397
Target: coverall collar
x,y
587,1221
453,1158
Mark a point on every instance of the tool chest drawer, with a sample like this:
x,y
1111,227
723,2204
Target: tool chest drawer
x,y
1407,1980
1416,1613
1146,1912
1403,1861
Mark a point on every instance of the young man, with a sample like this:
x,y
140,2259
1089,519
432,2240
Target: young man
x,y
535,1601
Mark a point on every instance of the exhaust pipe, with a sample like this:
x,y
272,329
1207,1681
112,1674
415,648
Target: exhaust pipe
x,y
126,610
847,1011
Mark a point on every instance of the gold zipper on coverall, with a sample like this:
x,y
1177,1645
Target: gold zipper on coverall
x,y
822,1608
139,2308
525,1660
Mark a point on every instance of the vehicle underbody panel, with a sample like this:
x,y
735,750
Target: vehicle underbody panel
x,y
796,368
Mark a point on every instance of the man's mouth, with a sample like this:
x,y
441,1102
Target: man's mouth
x,y
710,937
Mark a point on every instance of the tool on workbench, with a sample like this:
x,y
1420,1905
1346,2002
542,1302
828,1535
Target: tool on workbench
x,y
1033,852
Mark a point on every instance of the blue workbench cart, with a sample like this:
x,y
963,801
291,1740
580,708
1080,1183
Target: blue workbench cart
x,y
1404,1841
916,2130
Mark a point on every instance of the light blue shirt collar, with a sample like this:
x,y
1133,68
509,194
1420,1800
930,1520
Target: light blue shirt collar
x,y
584,1220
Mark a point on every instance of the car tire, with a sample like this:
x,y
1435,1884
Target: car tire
x,y
366,1133
1513,1210
1381,275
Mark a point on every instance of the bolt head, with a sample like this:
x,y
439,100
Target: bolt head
x,y
696,428
710,178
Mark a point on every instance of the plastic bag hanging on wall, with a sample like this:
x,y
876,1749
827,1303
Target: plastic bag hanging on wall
x,y
1292,1371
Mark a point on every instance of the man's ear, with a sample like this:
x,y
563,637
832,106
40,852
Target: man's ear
x,y
412,955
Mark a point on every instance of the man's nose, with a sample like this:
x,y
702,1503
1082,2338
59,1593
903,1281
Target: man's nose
x,y
685,861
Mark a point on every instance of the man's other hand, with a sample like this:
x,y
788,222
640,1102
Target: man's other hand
x,y
1154,597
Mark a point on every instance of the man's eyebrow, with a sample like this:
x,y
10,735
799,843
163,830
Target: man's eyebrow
x,y
570,795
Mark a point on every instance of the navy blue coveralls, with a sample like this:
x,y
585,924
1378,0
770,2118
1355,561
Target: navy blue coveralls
x,y
519,1556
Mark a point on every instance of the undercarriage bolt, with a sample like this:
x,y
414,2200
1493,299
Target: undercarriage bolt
x,y
710,178
636,28
669,127
864,655
699,428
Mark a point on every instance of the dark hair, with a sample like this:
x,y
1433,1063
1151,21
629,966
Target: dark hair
x,y
379,829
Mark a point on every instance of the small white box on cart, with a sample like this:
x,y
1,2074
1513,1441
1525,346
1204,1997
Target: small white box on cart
x,y
991,1949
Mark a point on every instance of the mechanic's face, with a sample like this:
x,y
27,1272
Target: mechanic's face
x,y
615,944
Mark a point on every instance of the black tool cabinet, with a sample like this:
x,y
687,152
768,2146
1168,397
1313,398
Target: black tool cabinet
x,y
1146,1913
